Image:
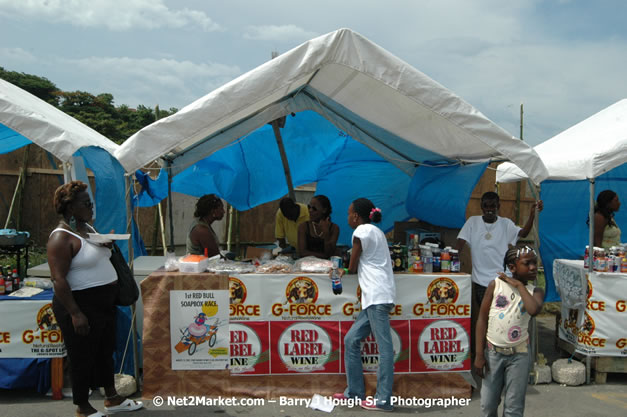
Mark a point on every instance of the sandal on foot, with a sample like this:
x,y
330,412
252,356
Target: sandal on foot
x,y
126,405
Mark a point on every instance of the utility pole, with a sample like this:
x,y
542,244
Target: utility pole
x,y
518,186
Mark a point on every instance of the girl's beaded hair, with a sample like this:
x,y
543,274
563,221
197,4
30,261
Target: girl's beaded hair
x,y
366,210
515,252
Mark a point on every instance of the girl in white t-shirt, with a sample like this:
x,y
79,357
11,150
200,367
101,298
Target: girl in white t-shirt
x,y
370,259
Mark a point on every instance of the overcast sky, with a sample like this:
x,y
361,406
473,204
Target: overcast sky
x,y
563,59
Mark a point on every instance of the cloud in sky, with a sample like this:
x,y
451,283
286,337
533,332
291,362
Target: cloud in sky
x,y
167,82
16,55
286,33
563,59
117,15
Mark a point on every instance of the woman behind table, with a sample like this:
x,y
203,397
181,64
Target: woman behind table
x,y
370,259
318,236
201,236
85,288
606,231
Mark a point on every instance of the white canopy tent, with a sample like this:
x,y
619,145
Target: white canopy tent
x,y
594,151
362,89
586,150
55,131
26,119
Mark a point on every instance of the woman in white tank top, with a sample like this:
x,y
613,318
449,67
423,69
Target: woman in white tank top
x,y
85,288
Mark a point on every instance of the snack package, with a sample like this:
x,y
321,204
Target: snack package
x,y
221,266
312,265
275,266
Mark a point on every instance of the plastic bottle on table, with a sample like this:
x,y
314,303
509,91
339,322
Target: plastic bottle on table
x,y
16,280
445,260
455,264
8,283
1,283
586,257
437,260
336,281
410,254
427,259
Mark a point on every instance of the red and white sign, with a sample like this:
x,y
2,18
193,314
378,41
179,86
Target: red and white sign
x,y
249,348
303,347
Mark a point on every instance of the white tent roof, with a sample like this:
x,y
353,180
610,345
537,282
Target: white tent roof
x,y
361,88
586,150
45,125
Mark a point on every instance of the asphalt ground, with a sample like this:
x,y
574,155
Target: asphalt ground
x,y
552,399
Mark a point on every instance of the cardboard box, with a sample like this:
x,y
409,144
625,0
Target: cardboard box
x,y
255,252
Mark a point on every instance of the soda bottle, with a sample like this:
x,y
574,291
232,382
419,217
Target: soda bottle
x,y
336,281
455,264
1,283
436,258
445,260
8,283
16,280
427,259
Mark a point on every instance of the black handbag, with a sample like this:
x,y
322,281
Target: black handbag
x,y
128,292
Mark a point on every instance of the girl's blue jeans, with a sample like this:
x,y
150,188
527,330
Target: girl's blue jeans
x,y
507,374
375,319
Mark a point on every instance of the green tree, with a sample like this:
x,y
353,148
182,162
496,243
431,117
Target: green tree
x,y
37,86
98,112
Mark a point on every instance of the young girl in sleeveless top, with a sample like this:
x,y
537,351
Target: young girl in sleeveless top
x,y
502,338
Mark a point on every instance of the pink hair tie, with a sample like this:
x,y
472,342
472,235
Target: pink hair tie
x,y
373,211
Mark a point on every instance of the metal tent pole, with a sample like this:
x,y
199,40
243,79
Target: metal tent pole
x,y
169,170
129,229
590,260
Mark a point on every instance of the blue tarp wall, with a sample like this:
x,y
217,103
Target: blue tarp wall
x,y
249,172
564,233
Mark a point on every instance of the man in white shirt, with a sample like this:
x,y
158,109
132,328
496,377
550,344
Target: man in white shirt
x,y
488,237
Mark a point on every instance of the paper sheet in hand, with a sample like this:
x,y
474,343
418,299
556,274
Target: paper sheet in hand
x,y
107,238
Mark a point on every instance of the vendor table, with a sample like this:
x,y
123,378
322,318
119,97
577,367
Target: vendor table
x,y
142,267
287,330
593,313
29,336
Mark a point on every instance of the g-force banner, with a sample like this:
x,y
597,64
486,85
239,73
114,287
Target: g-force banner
x,y
288,297
294,324
597,329
29,330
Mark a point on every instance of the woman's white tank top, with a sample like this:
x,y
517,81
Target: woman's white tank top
x,y
91,266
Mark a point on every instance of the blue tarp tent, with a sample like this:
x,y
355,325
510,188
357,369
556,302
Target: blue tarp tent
x,y
594,149
366,124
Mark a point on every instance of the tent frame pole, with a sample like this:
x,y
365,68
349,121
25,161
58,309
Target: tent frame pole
x,y
129,229
590,260
276,125
169,170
